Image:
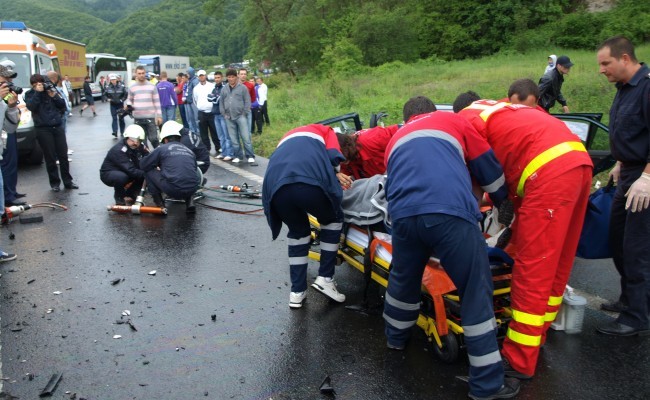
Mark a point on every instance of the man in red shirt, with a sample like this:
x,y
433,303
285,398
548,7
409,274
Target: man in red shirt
x,y
243,78
364,151
548,173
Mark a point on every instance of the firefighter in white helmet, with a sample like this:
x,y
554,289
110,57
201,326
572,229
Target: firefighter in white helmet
x,y
121,167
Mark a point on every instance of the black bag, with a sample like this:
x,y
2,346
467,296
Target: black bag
x,y
594,239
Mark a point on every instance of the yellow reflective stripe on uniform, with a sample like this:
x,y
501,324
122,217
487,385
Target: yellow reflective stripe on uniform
x,y
544,158
488,111
528,319
550,316
555,300
524,339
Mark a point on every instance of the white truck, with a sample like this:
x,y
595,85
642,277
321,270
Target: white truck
x,y
171,64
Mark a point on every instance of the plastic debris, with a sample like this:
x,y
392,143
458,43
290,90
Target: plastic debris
x,y
57,292
126,313
116,281
326,386
117,336
152,272
51,385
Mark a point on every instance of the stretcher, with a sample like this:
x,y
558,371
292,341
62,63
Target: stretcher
x,y
370,252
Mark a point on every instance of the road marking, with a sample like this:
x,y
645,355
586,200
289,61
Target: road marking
x,y
239,171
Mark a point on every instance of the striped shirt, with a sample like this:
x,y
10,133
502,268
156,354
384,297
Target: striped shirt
x,y
144,99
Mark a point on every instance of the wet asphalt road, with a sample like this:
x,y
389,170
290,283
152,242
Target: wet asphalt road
x,y
224,265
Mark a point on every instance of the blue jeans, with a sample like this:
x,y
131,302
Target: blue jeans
x,y
168,113
237,129
222,133
192,115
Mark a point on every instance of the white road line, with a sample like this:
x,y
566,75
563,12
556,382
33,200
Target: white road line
x,y
239,171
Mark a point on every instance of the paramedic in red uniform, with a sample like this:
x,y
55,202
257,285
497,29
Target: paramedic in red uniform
x,y
301,179
430,202
548,173
364,151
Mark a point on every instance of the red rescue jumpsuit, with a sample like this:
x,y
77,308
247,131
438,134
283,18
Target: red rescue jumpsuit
x,y
548,173
371,144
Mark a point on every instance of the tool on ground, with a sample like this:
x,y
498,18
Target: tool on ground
x,y
138,209
12,212
243,190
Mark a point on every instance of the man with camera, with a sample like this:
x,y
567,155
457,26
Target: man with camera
x,y
9,156
144,99
47,107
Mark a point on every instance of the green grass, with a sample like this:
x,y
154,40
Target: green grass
x,y
387,87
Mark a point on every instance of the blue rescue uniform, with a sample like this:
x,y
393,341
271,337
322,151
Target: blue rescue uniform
x,y
121,167
432,207
177,176
193,142
301,179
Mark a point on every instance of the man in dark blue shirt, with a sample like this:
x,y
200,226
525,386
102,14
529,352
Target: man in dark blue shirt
x,y
629,130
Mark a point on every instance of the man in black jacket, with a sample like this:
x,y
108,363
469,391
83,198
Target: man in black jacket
x,y
121,167
550,85
116,93
47,107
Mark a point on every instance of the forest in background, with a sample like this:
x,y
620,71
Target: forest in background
x,y
305,37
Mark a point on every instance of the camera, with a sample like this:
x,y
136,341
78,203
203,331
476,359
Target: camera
x,y
48,85
14,88
123,113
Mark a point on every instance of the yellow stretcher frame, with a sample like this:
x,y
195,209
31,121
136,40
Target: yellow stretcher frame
x,y
349,251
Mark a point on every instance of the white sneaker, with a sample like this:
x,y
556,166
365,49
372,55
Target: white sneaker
x,y
296,299
236,160
327,286
251,160
70,152
227,158
219,157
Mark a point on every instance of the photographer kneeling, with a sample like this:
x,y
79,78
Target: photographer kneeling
x,y
47,107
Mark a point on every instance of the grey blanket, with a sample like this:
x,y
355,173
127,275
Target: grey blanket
x,y
364,203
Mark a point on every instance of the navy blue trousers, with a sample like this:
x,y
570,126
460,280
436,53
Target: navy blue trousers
x,y
292,203
463,254
9,166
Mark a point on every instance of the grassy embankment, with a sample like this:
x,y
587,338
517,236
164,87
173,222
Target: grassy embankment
x,y
387,87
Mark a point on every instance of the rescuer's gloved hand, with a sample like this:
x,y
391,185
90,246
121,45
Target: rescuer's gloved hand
x,y
638,195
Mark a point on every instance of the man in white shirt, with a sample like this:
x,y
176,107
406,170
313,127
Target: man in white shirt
x,y
262,98
207,129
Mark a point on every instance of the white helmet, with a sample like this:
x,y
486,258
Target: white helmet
x,y
170,128
134,132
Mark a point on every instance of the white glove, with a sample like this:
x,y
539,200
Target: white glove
x,y
638,195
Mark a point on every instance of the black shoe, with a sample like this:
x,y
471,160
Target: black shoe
x,y
119,201
56,189
509,371
190,208
94,114
81,112
615,328
71,185
14,203
115,134
616,306
20,195
509,390
158,200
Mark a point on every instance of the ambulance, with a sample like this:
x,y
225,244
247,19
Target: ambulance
x,y
27,54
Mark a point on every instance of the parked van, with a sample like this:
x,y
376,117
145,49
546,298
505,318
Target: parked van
x,y
30,55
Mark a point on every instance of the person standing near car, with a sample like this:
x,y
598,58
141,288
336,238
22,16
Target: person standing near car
x,y
550,85
9,163
629,229
143,97
116,93
88,94
47,106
